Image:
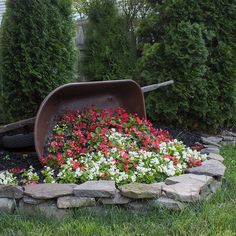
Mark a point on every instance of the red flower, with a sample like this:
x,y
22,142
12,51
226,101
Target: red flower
x,y
75,166
194,162
124,155
70,153
60,159
139,121
135,165
126,167
197,147
83,168
16,170
31,182
43,160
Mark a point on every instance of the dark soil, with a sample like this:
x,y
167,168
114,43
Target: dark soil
x,y
189,138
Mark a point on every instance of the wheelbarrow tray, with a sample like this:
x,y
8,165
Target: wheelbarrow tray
x,y
103,94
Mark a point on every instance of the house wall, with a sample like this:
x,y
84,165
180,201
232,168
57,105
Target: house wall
x,y
2,9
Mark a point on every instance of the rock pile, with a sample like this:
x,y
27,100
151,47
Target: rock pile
x,y
175,193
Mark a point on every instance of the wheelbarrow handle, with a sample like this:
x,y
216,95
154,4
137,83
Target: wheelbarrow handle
x,y
153,87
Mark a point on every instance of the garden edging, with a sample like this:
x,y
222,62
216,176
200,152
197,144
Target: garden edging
x,y
175,193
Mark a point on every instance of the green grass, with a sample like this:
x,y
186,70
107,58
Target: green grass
x,y
216,217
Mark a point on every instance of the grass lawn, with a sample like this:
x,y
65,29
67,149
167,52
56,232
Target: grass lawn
x,y
216,216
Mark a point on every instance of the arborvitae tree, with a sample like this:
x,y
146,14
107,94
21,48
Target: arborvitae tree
x,y
108,54
37,53
193,43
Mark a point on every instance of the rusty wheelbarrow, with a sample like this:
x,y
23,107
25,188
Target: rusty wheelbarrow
x,y
105,94
125,93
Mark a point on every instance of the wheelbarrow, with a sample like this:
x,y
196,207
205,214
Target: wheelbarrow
x,y
119,93
104,94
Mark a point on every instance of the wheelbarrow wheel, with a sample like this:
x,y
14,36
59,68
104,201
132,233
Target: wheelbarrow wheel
x,y
18,141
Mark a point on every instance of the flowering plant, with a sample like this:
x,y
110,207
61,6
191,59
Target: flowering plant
x,y
111,144
6,177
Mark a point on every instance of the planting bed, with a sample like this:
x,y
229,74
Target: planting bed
x,y
175,192
97,158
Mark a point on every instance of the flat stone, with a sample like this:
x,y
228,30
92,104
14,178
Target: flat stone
x,y
7,205
169,203
75,202
216,157
211,140
225,133
101,188
189,178
229,138
210,146
33,201
185,192
48,208
141,191
48,191
210,168
215,150
11,191
117,200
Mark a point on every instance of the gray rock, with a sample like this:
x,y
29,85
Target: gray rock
x,y
48,208
188,187
117,200
169,203
11,191
225,133
75,202
33,201
141,191
229,138
101,188
7,205
184,192
210,168
210,146
189,178
215,150
216,157
48,191
211,140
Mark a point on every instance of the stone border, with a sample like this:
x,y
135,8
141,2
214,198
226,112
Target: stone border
x,y
175,193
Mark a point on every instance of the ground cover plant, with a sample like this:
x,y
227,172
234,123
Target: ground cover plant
x,y
107,144
213,217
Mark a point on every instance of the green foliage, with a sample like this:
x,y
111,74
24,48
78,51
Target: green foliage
x,y
37,51
193,43
108,54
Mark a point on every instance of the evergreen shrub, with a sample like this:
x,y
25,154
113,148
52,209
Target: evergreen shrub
x,y
108,55
37,53
193,43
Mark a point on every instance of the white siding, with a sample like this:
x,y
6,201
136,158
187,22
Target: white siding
x,y
2,9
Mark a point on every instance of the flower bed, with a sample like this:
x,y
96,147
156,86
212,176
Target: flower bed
x,y
104,157
96,144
